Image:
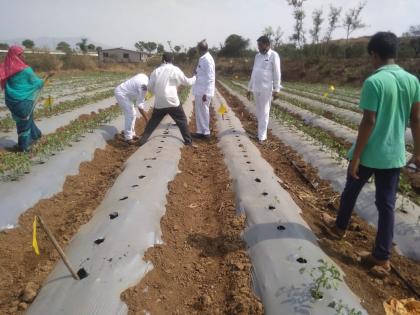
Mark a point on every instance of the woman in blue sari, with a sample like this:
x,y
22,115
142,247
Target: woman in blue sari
x,y
21,86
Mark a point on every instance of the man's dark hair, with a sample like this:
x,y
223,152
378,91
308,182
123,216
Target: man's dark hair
x,y
264,40
203,46
168,57
385,44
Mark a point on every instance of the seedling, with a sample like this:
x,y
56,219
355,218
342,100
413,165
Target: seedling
x,y
343,309
325,276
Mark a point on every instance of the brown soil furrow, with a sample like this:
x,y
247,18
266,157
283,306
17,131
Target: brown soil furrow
x,y
298,178
64,213
203,267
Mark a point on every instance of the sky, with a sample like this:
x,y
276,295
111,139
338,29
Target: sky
x,y
184,22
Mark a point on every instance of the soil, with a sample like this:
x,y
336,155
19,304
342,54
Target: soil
x,y
203,267
316,197
21,271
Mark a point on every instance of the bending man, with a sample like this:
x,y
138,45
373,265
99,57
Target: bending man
x,y
128,92
203,91
164,82
264,83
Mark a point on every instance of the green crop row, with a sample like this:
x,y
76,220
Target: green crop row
x,y
7,123
14,164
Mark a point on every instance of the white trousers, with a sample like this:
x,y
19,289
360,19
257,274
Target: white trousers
x,y
130,114
263,104
202,114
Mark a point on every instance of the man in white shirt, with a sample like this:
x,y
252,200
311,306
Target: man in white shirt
x,y
127,93
264,83
203,90
163,83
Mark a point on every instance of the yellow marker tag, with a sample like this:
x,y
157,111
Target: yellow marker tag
x,y
34,241
325,95
48,101
222,109
148,95
332,88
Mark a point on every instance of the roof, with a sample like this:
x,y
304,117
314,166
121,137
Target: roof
x,y
122,49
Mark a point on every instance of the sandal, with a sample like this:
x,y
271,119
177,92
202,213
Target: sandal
x,y
377,268
331,229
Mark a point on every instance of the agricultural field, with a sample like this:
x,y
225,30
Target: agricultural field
x,y
227,225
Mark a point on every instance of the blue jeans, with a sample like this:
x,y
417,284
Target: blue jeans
x,y
386,183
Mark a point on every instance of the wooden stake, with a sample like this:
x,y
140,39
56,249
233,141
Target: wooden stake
x,y
58,248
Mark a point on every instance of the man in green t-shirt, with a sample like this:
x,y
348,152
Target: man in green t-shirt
x,y
390,100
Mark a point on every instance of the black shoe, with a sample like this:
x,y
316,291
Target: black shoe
x,y
200,136
197,135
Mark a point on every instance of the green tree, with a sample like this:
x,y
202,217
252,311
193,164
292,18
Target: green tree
x,y
64,47
298,36
83,46
235,46
317,22
333,17
150,47
160,49
414,35
28,44
274,36
140,46
170,45
4,46
352,20
91,47
192,53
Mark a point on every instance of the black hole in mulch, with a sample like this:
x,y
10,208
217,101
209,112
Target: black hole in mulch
x,y
237,136
142,176
245,155
52,154
265,193
113,215
157,152
27,172
123,198
134,186
301,260
252,170
281,228
271,207
99,240
148,166
41,162
82,273
248,162
160,147
162,141
258,180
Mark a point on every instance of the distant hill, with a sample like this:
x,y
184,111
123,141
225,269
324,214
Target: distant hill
x,y
51,42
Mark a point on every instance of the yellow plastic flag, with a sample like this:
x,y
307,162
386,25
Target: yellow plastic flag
x,y
325,94
222,109
48,101
34,241
332,88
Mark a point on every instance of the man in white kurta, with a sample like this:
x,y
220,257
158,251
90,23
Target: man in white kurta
x,y
133,91
164,83
264,83
203,90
